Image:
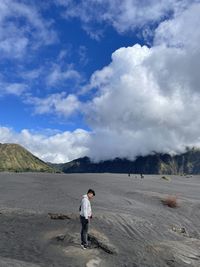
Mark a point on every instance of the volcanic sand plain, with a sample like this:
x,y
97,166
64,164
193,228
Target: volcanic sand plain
x,y
131,226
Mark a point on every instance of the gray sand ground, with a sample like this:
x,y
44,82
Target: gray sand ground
x,y
131,227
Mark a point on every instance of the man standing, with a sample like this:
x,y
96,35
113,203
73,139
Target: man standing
x,y
85,216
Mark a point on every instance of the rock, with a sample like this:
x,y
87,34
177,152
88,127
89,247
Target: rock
x,y
60,237
179,230
59,216
93,262
166,178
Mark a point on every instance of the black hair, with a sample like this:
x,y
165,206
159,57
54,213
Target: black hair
x,y
91,191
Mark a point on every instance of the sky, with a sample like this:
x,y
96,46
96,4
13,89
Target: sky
x,y
103,79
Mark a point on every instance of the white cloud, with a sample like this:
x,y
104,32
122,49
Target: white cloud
x,y
17,37
126,15
31,74
181,31
16,88
63,54
148,98
12,88
59,104
13,45
58,75
60,147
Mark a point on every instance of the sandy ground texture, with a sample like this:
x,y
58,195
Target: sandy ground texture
x,y
131,227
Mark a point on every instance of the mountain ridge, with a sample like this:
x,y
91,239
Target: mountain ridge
x,y
157,163
15,158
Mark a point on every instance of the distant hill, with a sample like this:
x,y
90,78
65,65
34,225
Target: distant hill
x,y
186,163
15,158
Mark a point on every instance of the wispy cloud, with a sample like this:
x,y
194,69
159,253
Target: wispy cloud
x,y
12,88
122,15
58,75
30,75
57,104
16,37
83,58
63,54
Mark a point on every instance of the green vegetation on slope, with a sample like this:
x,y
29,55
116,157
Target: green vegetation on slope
x,y
15,158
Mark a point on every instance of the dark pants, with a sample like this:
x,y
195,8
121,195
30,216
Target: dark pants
x,y
84,230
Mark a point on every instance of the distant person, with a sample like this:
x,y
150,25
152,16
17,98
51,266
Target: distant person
x,y
85,216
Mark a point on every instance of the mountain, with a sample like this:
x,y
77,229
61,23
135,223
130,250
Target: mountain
x,y
15,158
186,163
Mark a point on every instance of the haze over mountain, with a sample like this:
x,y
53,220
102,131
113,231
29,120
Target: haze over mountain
x,y
186,163
14,157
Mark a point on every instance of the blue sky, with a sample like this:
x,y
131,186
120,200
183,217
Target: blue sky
x,y
98,78
72,49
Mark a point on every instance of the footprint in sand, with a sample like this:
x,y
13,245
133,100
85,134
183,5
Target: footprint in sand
x,y
94,262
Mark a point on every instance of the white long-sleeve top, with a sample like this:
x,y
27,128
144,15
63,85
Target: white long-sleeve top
x,y
86,210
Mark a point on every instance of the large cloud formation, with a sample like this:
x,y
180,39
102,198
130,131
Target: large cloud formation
x,y
147,98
